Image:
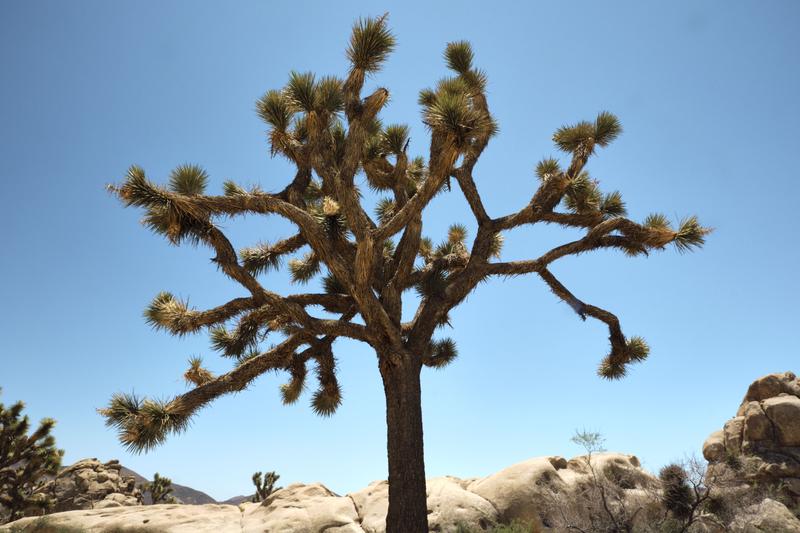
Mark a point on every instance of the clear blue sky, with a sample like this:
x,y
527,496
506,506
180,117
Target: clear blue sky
x,y
707,93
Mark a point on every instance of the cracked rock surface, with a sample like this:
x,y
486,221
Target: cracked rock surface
x,y
761,444
90,484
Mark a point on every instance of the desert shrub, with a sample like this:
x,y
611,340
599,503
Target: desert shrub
x,y
27,457
676,494
264,485
160,489
516,526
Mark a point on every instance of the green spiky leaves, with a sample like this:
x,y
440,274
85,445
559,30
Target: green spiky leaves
x,y
582,194
168,212
304,93
690,235
196,374
329,95
547,168
301,91
244,338
142,424
432,285
260,258
615,365
613,205
657,221
327,399
302,270
426,249
264,257
395,138
385,209
497,246
459,56
572,138
457,107
188,179
606,128
441,353
168,313
328,395
637,349
230,188
584,136
331,285
290,392
457,234
455,114
275,109
371,42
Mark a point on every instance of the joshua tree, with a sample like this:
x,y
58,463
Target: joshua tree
x,y
264,486
330,132
25,463
160,489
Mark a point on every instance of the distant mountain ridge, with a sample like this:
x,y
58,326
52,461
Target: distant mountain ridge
x,y
185,494
236,500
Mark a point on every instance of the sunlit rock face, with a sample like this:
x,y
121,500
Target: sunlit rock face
x,y
90,484
760,446
527,491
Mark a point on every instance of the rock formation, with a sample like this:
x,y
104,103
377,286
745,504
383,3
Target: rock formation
x,y
529,491
753,472
760,446
90,484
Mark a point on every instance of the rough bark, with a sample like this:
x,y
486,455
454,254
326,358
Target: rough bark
x,y
407,495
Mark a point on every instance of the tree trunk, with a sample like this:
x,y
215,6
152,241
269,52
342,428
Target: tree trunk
x,y
408,509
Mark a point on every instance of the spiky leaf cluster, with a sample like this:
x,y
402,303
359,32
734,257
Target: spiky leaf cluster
x,y
261,258
615,365
581,138
331,285
196,374
290,392
166,212
171,314
244,338
305,268
456,108
328,396
142,424
371,42
27,459
188,179
441,353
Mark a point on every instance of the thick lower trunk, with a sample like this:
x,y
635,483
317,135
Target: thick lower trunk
x,y
408,509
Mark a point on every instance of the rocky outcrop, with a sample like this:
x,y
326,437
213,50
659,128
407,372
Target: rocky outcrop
x,y
525,491
90,484
301,507
449,504
768,516
760,446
